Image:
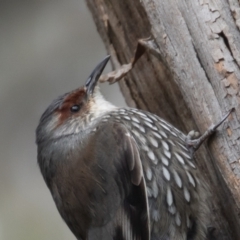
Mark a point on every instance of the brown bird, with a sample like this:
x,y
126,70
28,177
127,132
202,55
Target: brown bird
x,y
120,173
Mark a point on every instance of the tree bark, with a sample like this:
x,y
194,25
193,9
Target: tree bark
x,y
191,81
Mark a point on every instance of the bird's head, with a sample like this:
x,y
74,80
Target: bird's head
x,y
72,112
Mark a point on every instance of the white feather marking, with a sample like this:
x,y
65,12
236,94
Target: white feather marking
x,y
174,134
182,146
155,215
164,160
178,219
149,173
166,173
121,113
165,145
164,126
153,141
155,128
149,192
153,117
147,119
126,117
169,196
191,164
191,179
187,155
167,153
142,129
177,179
140,137
186,194
145,148
179,158
148,124
135,120
151,155
136,125
138,112
157,135
171,142
154,189
163,133
172,209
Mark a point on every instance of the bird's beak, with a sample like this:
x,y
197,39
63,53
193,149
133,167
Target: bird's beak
x,y
94,76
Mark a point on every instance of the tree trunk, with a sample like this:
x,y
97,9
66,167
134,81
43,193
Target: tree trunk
x,y
192,80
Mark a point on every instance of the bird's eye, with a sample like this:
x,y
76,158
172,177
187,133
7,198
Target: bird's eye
x,y
75,108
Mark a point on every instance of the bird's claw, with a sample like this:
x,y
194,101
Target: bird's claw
x,y
192,140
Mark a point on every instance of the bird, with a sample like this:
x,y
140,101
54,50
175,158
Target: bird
x,y
120,173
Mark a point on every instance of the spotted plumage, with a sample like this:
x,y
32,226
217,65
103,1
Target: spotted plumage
x,y
119,173
170,174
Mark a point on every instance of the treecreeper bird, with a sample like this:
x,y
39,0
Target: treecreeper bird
x,y
120,173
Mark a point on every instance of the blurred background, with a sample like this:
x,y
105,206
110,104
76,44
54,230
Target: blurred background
x,y
46,48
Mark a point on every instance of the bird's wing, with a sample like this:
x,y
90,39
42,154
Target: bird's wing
x,y
119,199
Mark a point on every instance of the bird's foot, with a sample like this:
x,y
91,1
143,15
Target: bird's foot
x,y
192,140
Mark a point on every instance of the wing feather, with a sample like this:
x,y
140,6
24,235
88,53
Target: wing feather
x,y
115,150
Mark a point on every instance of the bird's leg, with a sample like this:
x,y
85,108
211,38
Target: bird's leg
x,y
193,143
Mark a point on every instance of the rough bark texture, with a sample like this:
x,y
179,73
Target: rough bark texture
x,y
191,81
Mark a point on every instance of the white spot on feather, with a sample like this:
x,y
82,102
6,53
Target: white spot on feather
x,y
135,124
138,112
177,179
186,194
154,189
145,148
151,155
165,145
191,179
178,219
186,155
167,153
148,124
155,215
157,135
173,133
135,120
169,196
153,141
166,173
179,158
147,119
172,209
182,146
153,117
191,164
163,134
164,126
149,192
164,160
149,173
